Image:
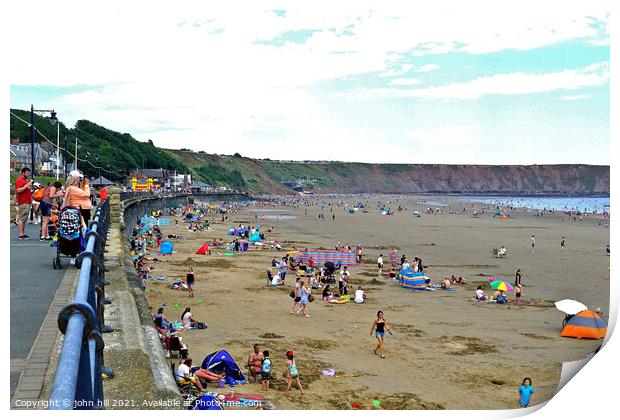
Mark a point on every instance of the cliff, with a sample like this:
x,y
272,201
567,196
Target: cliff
x,y
266,176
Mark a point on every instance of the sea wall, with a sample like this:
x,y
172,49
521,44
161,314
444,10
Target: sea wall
x,y
133,349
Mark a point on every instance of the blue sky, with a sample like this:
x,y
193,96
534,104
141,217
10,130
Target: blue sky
x,y
454,83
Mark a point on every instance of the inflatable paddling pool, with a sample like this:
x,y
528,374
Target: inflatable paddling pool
x,y
343,299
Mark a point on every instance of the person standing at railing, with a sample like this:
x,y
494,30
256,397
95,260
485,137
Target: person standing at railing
x,y
77,194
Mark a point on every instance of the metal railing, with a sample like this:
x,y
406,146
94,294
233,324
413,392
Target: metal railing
x,y
78,380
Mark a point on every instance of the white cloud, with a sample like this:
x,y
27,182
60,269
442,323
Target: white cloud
x,y
405,82
501,84
118,41
574,97
195,66
427,68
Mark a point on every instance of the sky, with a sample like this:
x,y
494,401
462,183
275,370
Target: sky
x,y
514,82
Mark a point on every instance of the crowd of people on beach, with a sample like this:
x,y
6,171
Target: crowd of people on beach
x,y
333,280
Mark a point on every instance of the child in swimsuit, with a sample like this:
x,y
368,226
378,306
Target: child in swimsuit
x,y
292,373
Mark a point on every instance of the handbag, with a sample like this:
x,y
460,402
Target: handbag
x,y
310,298
292,294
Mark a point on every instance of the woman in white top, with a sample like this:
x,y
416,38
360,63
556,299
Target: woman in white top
x,y
360,296
187,319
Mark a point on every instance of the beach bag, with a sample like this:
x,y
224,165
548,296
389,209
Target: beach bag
x,y
292,294
199,325
38,194
310,298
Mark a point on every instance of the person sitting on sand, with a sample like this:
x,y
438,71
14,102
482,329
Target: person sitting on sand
x,y
360,296
445,283
187,319
502,251
502,297
480,295
183,374
392,273
327,294
179,285
255,360
277,280
160,320
460,280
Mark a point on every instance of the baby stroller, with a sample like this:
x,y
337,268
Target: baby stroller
x,y
69,239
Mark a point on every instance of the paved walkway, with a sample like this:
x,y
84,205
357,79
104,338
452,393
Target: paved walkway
x,y
34,284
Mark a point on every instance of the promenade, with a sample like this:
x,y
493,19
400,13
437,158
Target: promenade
x,y
36,290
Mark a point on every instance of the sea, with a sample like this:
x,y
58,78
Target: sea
x,y
587,204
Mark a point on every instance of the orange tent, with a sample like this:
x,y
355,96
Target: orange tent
x,y
204,250
585,324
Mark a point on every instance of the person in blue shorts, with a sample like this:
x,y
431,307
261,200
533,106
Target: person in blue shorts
x,y
525,391
381,326
266,370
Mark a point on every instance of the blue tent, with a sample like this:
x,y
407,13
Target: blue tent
x,y
166,247
207,402
222,362
255,237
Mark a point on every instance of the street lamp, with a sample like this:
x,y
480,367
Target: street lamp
x,y
53,121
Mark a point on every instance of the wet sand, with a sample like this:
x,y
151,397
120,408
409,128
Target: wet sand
x,y
447,351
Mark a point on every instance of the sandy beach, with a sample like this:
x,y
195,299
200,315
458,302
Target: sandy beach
x,y
447,351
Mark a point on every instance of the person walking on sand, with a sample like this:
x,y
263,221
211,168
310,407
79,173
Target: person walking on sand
x,y
190,278
292,373
304,293
562,243
295,295
532,243
381,325
525,392
518,285
380,264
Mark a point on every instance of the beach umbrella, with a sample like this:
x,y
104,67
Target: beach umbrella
x,y
570,307
501,285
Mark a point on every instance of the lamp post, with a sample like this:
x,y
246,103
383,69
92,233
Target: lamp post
x,y
53,121
64,152
57,152
76,157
